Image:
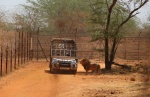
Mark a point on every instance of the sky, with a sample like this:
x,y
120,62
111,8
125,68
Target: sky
x,y
144,12
12,5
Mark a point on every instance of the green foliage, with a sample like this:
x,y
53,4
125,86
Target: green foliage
x,y
57,14
111,20
99,12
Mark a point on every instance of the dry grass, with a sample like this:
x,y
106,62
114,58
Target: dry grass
x,y
7,38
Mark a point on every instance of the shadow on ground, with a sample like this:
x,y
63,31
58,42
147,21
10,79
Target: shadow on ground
x,y
60,72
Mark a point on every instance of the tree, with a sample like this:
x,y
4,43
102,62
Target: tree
x,y
110,18
27,19
61,15
5,20
2,21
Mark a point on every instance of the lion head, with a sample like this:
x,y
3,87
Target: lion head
x,y
85,62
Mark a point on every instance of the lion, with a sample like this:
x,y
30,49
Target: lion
x,y
88,66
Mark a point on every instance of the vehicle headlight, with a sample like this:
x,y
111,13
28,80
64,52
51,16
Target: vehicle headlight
x,y
73,61
73,65
55,61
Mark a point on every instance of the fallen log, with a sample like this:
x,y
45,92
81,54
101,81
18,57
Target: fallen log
x,y
124,66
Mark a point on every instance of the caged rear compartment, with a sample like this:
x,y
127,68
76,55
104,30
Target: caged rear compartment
x,y
63,55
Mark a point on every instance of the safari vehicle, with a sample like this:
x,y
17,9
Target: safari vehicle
x,y
63,55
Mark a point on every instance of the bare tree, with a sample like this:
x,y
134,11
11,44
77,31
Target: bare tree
x,y
27,19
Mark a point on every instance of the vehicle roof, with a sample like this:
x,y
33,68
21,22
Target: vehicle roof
x,y
62,39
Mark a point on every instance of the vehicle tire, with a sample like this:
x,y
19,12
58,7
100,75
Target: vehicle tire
x,y
74,71
52,70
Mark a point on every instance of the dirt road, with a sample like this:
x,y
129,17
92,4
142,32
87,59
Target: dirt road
x,y
34,80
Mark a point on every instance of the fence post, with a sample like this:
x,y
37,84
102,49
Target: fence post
x,y
42,50
6,59
11,59
22,47
15,53
24,50
37,45
1,62
30,47
19,49
27,46
125,52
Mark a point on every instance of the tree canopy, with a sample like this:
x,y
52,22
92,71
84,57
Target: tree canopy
x,y
111,18
99,19
59,14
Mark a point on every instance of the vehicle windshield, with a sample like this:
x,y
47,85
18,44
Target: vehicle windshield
x,y
59,48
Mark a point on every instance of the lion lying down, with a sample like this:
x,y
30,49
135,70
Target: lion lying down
x,y
88,66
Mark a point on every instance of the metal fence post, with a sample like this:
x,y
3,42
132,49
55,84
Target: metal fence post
x,y
15,55
22,47
1,62
11,58
19,49
27,53
24,50
37,45
6,59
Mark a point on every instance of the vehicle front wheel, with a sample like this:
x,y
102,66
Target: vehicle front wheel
x,y
52,70
74,71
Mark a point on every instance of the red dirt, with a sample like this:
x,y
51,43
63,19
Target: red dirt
x,y
34,80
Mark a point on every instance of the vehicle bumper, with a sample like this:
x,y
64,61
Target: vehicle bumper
x,y
63,67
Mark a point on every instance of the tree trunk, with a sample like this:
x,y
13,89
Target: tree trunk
x,y
113,51
108,66
107,63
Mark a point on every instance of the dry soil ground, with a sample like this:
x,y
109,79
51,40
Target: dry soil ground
x,y
34,80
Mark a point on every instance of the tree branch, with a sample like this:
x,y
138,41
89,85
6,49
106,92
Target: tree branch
x,y
109,13
131,13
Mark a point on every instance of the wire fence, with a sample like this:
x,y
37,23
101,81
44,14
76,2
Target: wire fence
x,y
130,48
14,50
17,48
